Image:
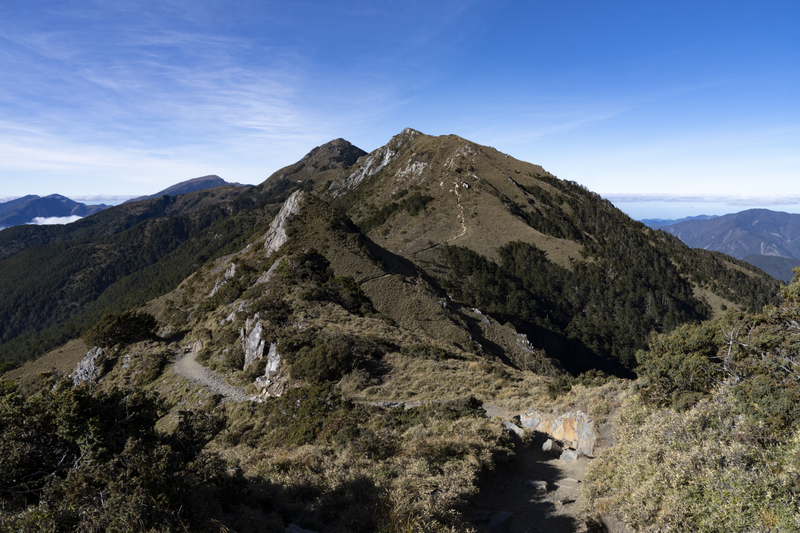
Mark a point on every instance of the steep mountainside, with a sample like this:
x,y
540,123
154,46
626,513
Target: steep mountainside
x,y
192,185
755,231
24,210
557,261
111,221
339,334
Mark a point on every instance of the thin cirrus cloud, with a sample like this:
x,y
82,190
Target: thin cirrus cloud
x,y
128,98
147,113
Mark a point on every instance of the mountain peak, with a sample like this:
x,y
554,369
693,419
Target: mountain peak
x,y
192,185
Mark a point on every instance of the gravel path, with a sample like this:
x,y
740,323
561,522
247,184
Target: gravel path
x,y
188,368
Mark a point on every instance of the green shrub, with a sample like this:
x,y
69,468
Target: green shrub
x,y
120,328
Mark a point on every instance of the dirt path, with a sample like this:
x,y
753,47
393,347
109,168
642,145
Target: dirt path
x,y
510,488
187,367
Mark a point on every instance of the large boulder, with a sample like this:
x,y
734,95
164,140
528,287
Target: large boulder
x,y
573,429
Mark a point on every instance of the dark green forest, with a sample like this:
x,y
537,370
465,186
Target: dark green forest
x,y
78,280
632,282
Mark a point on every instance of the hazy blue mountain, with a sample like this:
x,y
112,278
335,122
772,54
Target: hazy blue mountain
x,y
777,267
16,202
24,210
755,231
192,185
659,223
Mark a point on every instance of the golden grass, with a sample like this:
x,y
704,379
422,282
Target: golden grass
x,y
718,303
59,362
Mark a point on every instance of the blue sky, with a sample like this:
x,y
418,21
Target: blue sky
x,y
648,103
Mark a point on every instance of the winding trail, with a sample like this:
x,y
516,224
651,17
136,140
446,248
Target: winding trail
x,y
461,213
188,368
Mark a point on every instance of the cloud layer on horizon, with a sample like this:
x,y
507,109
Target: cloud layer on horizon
x,y
743,200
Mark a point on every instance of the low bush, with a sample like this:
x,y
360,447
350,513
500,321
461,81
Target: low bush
x,y
711,439
120,328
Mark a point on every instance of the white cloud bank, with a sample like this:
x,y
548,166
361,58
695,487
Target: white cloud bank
x,y
47,221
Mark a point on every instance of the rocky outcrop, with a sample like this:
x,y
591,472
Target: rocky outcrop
x,y
276,235
373,163
272,382
224,280
573,429
88,369
252,342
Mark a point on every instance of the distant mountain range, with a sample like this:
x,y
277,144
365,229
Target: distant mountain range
x,y
34,209
658,223
767,239
27,209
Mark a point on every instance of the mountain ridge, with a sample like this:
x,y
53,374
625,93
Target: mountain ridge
x,y
465,215
192,185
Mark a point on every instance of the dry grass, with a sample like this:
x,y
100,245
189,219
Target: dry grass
x,y
57,363
718,304
430,473
408,378
694,471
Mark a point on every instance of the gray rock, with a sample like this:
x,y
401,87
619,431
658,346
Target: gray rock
x,y
538,486
551,446
276,235
271,383
513,428
500,522
87,369
224,280
252,343
570,455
